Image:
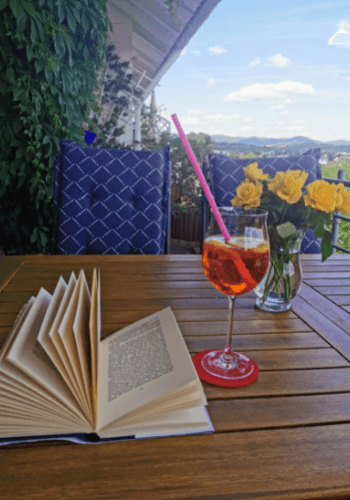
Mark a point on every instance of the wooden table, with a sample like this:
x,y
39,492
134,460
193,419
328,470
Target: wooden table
x,y
285,436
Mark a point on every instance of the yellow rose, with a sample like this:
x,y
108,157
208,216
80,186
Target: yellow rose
x,y
322,195
253,173
287,185
248,193
343,201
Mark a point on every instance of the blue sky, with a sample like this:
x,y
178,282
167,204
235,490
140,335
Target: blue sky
x,y
266,69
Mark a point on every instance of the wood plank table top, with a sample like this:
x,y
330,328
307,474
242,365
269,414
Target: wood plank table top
x,y
285,436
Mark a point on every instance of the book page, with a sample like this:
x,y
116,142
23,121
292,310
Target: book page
x,y
17,383
192,397
141,363
28,355
82,336
66,334
57,351
95,334
34,397
172,423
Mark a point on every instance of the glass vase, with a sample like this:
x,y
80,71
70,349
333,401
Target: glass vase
x,y
283,279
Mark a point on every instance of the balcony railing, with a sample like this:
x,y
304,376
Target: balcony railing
x,y
336,215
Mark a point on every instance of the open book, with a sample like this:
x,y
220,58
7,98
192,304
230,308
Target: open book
x,y
58,379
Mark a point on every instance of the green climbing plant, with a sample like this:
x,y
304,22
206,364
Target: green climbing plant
x,y
50,55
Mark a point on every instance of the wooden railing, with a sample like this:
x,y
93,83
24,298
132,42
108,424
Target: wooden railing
x,y
186,226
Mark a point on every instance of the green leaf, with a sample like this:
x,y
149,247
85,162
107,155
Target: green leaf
x,y
85,23
319,231
38,134
33,32
34,235
41,30
48,75
22,22
43,238
3,88
21,181
21,151
56,141
61,15
86,54
17,94
60,46
3,4
71,20
51,65
10,74
16,7
326,245
39,65
46,139
76,13
30,54
28,6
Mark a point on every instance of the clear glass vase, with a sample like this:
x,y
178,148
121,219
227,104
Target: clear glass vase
x,y
283,279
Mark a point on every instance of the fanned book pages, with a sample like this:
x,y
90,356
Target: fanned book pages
x,y
58,380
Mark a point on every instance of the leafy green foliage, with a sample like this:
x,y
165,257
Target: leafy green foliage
x,y
344,234
331,171
172,6
50,53
112,94
185,183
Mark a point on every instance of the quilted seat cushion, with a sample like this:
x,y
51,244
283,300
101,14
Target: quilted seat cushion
x,y
111,201
227,173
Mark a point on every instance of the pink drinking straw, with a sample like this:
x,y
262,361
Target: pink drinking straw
x,y
201,178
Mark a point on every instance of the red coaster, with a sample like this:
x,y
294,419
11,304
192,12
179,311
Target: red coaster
x,y
238,379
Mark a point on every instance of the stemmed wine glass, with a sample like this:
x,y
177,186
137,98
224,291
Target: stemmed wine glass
x,y
234,267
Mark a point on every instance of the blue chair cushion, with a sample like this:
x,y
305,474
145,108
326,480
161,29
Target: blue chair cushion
x,y
110,201
227,173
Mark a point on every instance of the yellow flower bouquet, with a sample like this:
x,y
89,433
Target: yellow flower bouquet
x,y
292,209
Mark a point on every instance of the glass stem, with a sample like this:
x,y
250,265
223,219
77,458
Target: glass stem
x,y
227,357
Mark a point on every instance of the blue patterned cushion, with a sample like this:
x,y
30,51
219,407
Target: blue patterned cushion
x,y
111,201
227,173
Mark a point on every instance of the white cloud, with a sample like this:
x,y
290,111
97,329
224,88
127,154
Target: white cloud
x,y
341,37
190,120
246,129
248,119
220,118
211,81
285,112
277,106
278,60
183,52
256,61
259,91
276,130
196,52
347,78
217,50
194,112
344,24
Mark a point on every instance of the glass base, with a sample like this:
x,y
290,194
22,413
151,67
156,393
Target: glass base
x,y
213,368
271,305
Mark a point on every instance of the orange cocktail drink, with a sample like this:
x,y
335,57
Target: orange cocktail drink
x,y
237,266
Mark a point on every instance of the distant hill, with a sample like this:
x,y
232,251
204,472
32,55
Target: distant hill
x,y
256,141
264,141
